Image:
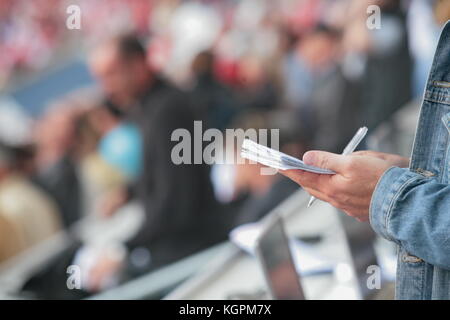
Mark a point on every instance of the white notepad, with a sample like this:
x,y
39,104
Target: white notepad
x,y
276,159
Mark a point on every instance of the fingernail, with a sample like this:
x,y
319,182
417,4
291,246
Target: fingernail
x,y
309,157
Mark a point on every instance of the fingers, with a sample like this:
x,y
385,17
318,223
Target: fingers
x,y
324,187
326,160
307,179
317,194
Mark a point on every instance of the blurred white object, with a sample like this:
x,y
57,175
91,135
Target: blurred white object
x,y
194,28
249,14
306,261
118,228
89,256
223,181
15,124
103,238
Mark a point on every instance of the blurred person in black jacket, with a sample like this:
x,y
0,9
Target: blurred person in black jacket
x,y
178,199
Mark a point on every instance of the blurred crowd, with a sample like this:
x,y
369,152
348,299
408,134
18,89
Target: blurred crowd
x,y
311,68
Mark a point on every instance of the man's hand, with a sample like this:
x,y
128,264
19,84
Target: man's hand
x,y
351,188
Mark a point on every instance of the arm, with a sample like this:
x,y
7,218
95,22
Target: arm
x,y
413,211
405,207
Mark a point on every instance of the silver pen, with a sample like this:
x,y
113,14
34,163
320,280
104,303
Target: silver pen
x,y
351,146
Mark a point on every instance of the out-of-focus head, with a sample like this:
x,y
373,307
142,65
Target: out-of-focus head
x,y
121,68
203,64
55,130
90,127
252,71
320,46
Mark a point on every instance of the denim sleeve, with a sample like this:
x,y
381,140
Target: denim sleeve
x,y
413,211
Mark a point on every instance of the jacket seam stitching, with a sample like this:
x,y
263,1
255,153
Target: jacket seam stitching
x,y
437,101
393,200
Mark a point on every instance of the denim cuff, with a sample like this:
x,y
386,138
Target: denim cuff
x,y
387,190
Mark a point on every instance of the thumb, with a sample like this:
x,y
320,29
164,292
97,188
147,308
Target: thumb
x,y
325,160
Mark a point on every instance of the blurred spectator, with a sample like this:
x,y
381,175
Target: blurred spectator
x,y
316,85
177,199
95,174
256,88
257,194
56,172
308,63
387,71
27,213
213,101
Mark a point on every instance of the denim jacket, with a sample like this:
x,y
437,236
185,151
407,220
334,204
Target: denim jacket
x,y
412,206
